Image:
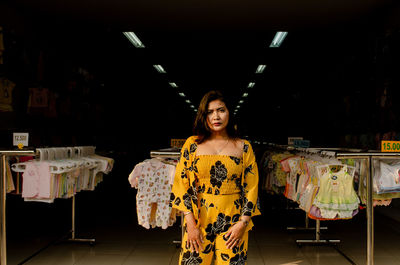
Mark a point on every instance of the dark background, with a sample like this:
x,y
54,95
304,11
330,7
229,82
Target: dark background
x,y
324,83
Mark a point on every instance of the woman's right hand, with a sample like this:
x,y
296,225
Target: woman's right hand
x,y
195,238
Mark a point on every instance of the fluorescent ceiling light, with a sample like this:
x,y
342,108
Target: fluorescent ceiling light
x,y
173,84
240,102
238,106
159,68
195,110
278,39
182,94
245,95
188,101
251,84
192,106
134,39
260,68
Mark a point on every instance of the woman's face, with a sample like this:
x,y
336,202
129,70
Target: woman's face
x,y
217,116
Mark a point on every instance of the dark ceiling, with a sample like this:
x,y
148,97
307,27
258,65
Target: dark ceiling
x,y
207,45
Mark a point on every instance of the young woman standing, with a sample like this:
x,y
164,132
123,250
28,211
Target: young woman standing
x,y
215,186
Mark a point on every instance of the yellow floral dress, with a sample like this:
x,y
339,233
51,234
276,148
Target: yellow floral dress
x,y
218,190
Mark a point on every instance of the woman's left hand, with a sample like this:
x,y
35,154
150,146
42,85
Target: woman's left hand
x,y
235,234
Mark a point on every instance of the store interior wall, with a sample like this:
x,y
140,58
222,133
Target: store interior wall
x,y
329,89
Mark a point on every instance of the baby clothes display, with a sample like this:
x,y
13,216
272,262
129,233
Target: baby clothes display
x,y
46,180
312,182
153,179
336,197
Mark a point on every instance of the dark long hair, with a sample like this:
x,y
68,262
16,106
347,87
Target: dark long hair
x,y
200,127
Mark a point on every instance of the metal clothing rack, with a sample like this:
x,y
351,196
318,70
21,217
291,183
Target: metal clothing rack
x,y
370,210
3,193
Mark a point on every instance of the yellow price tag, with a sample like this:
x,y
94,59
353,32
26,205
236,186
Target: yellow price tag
x,y
390,146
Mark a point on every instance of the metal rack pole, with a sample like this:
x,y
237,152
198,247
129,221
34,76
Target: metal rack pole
x,y
370,214
3,211
317,239
3,191
91,241
307,226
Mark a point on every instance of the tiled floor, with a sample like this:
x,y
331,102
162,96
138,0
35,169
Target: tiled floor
x,y
270,244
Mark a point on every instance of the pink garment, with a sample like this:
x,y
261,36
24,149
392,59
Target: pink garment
x,y
36,180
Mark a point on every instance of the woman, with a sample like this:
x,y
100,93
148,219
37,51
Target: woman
x,y
215,186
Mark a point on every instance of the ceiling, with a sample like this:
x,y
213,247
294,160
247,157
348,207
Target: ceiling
x,y
208,44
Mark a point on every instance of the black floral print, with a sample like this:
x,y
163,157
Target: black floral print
x,y
247,207
183,173
218,174
193,166
235,159
248,170
177,201
245,148
238,203
187,202
201,189
171,199
191,258
193,148
238,259
186,154
220,226
209,191
189,197
217,192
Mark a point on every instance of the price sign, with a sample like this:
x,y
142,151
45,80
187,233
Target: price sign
x,y
178,143
390,146
292,139
301,143
20,139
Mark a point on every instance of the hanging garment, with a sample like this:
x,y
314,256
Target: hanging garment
x,y
152,179
336,197
218,190
388,179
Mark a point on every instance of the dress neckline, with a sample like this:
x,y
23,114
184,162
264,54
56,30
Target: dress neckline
x,y
218,155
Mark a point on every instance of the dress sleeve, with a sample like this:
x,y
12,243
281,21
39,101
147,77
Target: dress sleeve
x,y
250,182
182,192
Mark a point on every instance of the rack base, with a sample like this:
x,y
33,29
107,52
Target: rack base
x,y
317,242
305,228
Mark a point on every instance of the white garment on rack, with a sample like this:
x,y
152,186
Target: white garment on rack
x,y
152,179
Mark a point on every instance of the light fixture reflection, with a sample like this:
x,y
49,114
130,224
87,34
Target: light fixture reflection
x,y
260,68
251,84
134,39
160,69
173,84
278,39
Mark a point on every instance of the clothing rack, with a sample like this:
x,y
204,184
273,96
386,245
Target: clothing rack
x,y
307,227
169,153
369,156
84,150
3,191
345,153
